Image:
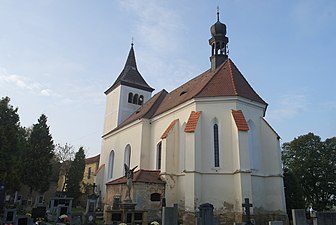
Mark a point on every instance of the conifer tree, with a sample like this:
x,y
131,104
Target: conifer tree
x,y
9,145
36,166
76,174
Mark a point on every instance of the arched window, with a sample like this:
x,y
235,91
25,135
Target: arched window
x,y
135,99
216,145
111,164
130,97
141,99
127,156
158,155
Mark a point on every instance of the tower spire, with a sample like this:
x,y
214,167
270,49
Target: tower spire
x,y
218,42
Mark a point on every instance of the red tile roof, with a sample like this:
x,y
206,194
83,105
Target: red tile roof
x,y
225,81
192,122
141,176
94,159
240,120
169,128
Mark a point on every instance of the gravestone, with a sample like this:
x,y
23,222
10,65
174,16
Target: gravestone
x,y
247,205
325,218
9,216
299,217
206,214
170,215
76,218
39,212
23,220
275,223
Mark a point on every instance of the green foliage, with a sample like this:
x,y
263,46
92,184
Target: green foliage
x,y
76,173
293,192
9,145
312,162
37,167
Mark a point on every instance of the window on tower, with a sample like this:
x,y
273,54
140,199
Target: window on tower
x,y
141,99
130,97
135,99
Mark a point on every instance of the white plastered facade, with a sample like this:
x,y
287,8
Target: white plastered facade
x,y
247,169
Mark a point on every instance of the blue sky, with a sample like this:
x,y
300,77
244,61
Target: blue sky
x,y
57,57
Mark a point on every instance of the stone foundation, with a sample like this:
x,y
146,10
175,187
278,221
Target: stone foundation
x,y
228,218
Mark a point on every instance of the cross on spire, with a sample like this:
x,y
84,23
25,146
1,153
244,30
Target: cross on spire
x,y
217,13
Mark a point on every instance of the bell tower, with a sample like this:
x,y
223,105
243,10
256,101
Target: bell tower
x,y
126,95
218,42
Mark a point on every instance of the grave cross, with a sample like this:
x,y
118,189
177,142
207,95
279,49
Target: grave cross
x,y
247,206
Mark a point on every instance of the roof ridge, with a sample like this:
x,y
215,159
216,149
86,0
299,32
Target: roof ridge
x,y
152,110
232,79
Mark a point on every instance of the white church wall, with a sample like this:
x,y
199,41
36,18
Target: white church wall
x,y
111,111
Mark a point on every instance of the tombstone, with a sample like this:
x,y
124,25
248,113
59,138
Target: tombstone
x,y
247,205
62,210
23,220
170,215
299,217
206,214
9,216
91,203
76,218
275,223
39,212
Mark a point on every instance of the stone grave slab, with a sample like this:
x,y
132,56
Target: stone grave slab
x,y
275,223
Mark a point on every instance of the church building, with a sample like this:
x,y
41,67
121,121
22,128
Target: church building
x,y
207,141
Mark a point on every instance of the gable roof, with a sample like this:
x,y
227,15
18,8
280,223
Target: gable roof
x,y
225,81
240,121
94,159
130,76
192,122
141,176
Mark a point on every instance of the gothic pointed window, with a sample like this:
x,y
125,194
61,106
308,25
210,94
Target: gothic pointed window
x,y
130,97
135,99
141,99
127,156
111,164
216,145
158,155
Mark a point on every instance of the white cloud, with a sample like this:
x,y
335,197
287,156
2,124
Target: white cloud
x,y
25,83
288,107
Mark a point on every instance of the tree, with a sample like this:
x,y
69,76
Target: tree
x,y
9,145
37,168
293,192
311,161
64,155
76,174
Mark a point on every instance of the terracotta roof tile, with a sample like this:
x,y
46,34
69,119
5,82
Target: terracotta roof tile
x,y
192,122
169,128
226,80
141,176
240,120
93,159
